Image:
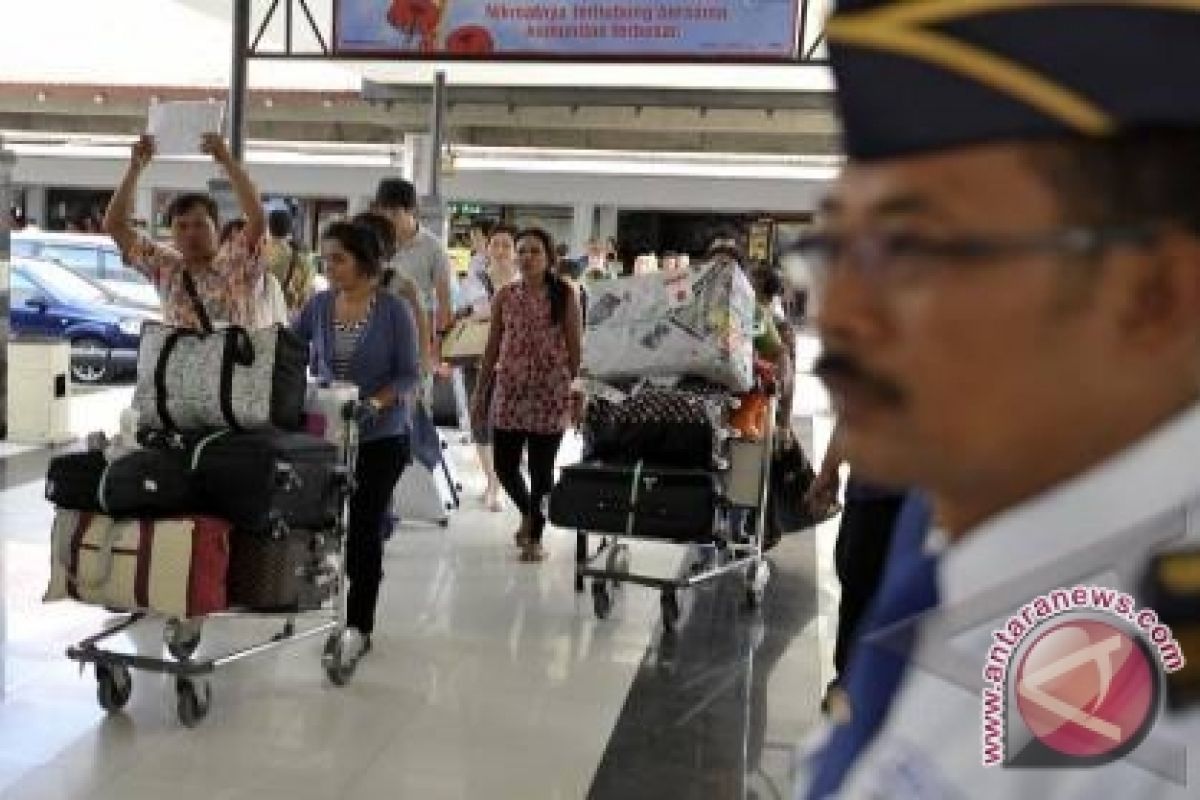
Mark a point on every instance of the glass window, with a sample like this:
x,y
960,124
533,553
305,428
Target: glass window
x,y
84,259
67,285
117,270
21,289
23,247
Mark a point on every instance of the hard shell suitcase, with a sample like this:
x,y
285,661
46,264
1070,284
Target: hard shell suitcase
x,y
260,479
141,483
654,502
426,494
175,566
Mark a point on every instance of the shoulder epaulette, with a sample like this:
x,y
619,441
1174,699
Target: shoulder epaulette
x,y
1171,588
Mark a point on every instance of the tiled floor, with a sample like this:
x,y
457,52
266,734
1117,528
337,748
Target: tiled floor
x,y
489,679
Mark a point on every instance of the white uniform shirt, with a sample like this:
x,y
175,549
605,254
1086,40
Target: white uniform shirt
x,y
1099,528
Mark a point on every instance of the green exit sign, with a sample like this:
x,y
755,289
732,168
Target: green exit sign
x,y
466,209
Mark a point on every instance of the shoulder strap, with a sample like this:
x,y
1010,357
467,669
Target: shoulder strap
x,y
238,350
291,272
189,285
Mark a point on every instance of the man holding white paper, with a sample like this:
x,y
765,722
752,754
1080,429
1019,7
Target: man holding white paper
x,y
194,279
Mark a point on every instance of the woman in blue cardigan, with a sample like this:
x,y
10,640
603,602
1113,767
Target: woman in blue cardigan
x,y
359,333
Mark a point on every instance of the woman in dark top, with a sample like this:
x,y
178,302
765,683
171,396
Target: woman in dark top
x,y
362,334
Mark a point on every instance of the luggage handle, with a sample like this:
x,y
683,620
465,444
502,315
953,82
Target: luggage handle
x,y
108,559
238,351
633,496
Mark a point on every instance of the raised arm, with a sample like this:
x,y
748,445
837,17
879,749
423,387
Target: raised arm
x,y
243,188
117,217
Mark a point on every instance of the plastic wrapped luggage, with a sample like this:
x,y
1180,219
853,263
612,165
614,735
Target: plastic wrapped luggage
x,y
672,324
268,572
680,505
231,377
260,479
175,566
325,408
146,483
685,426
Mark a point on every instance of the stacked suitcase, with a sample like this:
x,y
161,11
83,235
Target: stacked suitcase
x,y
238,514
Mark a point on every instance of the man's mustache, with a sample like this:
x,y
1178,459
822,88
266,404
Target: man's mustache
x,y
845,369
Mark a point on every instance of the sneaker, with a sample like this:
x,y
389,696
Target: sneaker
x,y
355,645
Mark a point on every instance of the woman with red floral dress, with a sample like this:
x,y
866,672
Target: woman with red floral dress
x,y
531,361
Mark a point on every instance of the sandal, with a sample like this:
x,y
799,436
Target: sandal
x,y
533,553
521,537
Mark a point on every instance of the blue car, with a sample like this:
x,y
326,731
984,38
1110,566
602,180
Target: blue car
x,y
48,300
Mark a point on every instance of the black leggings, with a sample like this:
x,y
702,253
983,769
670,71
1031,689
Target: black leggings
x,y
380,465
543,449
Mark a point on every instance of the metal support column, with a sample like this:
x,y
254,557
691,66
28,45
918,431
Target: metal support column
x,y
434,205
7,162
237,78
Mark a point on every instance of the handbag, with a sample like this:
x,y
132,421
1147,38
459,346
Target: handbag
x,y
792,475
232,378
466,341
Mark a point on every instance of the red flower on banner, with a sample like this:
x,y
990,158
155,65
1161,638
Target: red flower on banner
x,y
414,16
470,40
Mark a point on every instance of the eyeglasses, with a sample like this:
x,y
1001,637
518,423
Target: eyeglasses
x,y
902,257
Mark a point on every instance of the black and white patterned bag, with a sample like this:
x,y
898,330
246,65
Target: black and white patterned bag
x,y
682,426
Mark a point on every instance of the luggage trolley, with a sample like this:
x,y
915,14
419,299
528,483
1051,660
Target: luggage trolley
x,y
725,552
324,589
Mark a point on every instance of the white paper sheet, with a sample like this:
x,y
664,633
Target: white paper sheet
x,y
179,126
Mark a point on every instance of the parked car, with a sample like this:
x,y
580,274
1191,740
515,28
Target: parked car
x,y
94,256
49,300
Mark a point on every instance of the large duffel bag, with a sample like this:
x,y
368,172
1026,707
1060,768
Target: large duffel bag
x,y
260,479
271,573
670,427
141,483
175,567
189,380
654,502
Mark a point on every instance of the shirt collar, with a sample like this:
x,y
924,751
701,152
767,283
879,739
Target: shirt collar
x,y
1148,478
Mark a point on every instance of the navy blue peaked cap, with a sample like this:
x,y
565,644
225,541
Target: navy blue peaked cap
x,y
916,76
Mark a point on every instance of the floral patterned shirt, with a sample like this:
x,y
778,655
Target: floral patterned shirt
x,y
227,287
533,372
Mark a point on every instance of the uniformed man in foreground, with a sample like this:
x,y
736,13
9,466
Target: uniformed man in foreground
x,y
1010,313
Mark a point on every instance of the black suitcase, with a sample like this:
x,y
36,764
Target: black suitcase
x,y
679,505
141,483
260,479
272,572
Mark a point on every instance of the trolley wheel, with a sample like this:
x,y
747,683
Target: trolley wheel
x,y
579,584
445,523
758,575
601,600
192,708
114,686
338,668
182,638
670,609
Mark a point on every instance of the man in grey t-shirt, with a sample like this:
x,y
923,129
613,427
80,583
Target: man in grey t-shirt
x,y
419,254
